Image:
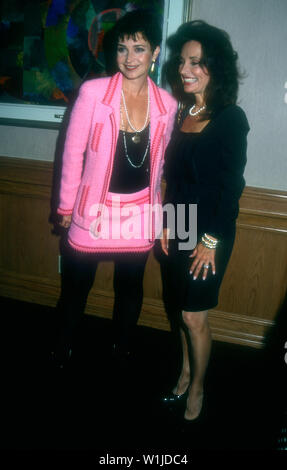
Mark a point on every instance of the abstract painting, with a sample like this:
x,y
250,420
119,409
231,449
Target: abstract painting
x,y
49,47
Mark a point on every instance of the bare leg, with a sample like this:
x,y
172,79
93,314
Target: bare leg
x,y
200,337
184,378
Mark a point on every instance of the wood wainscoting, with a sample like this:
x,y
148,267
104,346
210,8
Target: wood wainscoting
x,y
253,287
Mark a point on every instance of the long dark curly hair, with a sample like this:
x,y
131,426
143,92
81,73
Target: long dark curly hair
x,y
219,58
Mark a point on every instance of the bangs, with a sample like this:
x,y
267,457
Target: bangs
x,y
135,36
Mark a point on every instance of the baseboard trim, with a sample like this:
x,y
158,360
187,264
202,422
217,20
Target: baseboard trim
x,y
228,327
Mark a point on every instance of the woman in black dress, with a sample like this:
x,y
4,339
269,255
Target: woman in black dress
x,y
205,161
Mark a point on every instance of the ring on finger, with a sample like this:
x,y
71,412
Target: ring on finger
x,y
206,266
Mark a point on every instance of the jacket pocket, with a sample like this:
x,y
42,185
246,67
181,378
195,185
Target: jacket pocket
x,y
83,200
96,137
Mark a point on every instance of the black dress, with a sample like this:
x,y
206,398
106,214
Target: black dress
x,y
205,169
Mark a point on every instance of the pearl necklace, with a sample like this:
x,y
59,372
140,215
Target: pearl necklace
x,y
125,145
196,112
136,138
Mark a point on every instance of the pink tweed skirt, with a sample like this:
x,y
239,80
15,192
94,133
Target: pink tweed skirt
x,y
125,223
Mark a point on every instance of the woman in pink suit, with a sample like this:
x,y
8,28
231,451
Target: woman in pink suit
x,y
110,183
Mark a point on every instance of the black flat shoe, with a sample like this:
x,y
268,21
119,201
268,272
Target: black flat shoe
x,y
60,357
120,352
172,399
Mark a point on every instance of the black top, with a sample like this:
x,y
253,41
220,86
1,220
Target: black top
x,y
125,178
207,168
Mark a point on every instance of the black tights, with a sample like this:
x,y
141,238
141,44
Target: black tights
x,y
78,274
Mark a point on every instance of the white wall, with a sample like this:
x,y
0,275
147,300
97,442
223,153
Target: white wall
x,y
258,32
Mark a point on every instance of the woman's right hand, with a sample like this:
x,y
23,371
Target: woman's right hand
x,y
66,221
164,240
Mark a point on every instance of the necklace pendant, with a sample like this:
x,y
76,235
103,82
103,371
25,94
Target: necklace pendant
x,y
136,139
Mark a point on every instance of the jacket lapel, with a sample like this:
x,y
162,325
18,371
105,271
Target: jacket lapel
x,y
158,115
112,97
158,112
157,105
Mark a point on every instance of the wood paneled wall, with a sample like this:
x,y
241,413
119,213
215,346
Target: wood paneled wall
x,y
252,291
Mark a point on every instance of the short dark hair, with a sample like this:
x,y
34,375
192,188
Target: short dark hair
x,y
140,21
219,58
137,21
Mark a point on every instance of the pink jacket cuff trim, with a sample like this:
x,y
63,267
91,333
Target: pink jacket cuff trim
x,y
64,211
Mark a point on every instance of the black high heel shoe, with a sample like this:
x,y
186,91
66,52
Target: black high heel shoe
x,y
172,398
199,417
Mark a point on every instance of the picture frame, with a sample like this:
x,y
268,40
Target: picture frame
x,y
57,46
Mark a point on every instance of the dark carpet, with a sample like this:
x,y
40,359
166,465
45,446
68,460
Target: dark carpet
x,y
111,406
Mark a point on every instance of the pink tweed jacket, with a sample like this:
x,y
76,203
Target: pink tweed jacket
x,y
90,148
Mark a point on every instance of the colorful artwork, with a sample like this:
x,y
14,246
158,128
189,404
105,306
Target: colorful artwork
x,y
49,47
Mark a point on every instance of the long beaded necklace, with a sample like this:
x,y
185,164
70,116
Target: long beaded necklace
x,y
136,138
125,145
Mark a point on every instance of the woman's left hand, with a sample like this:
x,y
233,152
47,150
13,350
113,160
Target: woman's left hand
x,y
203,258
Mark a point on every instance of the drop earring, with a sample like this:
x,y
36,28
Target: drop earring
x,y
152,66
